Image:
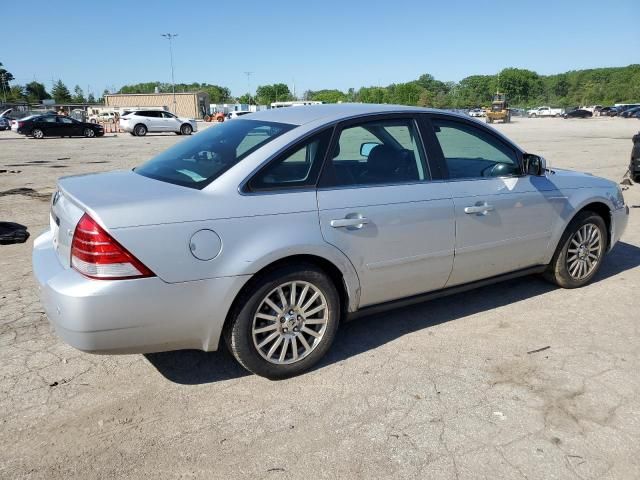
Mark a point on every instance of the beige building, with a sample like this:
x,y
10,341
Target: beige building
x,y
191,105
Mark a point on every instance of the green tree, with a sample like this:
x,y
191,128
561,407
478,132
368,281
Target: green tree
x,y
5,78
16,93
91,98
60,92
246,98
36,92
326,96
278,92
78,96
520,85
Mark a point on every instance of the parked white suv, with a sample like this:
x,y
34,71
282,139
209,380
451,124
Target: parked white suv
x,y
139,122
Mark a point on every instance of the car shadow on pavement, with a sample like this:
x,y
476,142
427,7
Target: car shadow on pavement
x,y
192,367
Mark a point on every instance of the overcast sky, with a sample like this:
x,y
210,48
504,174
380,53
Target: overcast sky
x,y
319,44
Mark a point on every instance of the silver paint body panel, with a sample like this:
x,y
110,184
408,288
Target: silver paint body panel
x,y
417,239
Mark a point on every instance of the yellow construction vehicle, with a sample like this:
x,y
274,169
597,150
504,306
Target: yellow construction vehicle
x,y
499,109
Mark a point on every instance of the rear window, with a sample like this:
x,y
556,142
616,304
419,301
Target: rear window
x,y
198,161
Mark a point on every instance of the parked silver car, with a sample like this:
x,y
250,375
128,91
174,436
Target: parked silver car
x,y
271,229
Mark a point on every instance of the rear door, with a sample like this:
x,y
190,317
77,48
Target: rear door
x,y
157,121
503,217
378,204
48,124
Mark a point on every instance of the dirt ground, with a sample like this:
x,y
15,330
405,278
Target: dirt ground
x,y
515,380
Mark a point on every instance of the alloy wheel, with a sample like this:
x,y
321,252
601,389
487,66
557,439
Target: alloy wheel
x,y
585,251
290,322
37,133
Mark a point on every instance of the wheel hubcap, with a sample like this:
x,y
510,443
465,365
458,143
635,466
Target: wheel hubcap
x,y
290,322
585,250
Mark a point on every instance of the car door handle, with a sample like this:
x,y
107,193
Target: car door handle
x,y
479,209
349,222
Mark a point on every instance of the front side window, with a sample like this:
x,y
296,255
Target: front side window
x,y
65,120
198,161
378,152
296,168
470,152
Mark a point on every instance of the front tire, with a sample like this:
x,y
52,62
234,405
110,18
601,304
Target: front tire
x,y
285,321
89,133
580,251
186,129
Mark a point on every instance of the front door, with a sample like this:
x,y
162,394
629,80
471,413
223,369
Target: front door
x,y
171,122
377,204
69,127
503,217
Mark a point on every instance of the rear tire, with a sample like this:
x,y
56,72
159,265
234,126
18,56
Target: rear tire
x,y
580,251
259,333
140,130
37,133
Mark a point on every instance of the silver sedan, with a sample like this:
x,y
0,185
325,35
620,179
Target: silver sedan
x,y
270,230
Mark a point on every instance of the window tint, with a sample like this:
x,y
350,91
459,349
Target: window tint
x,y
168,115
470,152
380,152
298,167
64,120
48,119
201,159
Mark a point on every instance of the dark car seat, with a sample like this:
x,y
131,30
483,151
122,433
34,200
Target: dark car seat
x,y
382,165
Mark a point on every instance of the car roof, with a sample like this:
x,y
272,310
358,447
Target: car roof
x,y
328,112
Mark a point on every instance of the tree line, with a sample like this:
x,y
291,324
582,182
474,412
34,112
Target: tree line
x,y
525,88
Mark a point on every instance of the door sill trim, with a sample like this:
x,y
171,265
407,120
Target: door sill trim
x,y
425,297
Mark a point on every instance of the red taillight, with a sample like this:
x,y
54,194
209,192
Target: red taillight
x,y
96,254
20,124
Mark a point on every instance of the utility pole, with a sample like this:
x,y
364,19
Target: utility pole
x,y
248,74
170,37
4,88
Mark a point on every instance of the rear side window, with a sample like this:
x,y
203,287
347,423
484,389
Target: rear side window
x,y
198,161
377,153
298,167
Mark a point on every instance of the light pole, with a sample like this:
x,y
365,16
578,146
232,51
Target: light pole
x,y
170,37
248,74
4,90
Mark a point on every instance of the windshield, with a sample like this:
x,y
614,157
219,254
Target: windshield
x,y
200,160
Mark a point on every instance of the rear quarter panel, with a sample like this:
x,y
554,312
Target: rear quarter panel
x,y
251,240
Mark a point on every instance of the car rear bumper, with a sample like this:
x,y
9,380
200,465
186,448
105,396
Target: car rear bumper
x,y
131,316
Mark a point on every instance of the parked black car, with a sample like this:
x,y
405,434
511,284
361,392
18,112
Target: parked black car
x,y
578,113
58,126
634,167
629,112
4,124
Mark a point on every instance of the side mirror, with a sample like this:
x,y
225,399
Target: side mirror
x,y
365,148
534,165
